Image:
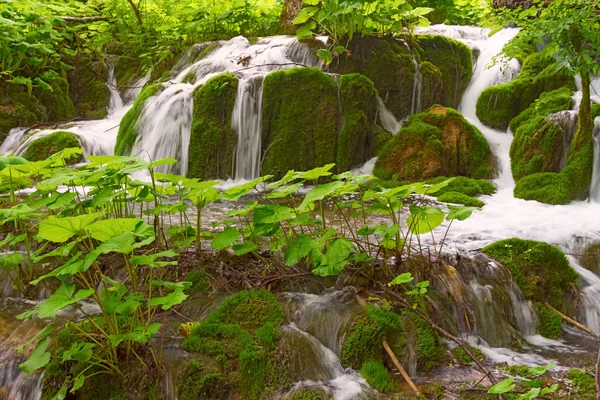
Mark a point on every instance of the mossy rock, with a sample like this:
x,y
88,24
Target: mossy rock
x,y
388,64
460,198
432,85
359,139
87,87
437,142
467,186
213,140
499,104
455,62
300,120
309,394
590,259
549,322
127,133
463,358
541,271
199,382
377,376
545,187
548,103
583,383
42,148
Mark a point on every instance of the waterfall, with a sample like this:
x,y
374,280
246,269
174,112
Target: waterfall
x,y
417,88
387,120
567,121
115,102
595,186
247,122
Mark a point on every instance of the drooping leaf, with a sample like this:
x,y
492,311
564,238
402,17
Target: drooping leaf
x,y
60,230
168,301
405,277
244,248
424,219
39,357
502,387
79,351
460,213
225,239
105,229
61,298
300,247
78,383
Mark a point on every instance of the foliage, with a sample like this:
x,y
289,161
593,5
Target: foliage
x,y
249,310
459,198
536,386
463,358
584,383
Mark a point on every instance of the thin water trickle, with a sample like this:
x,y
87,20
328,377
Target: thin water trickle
x,y
595,187
387,120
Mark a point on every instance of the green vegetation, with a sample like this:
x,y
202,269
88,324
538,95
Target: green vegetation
x,y
432,84
310,394
595,111
467,186
463,358
459,198
377,376
455,62
42,148
499,104
250,310
293,137
201,282
542,271
213,140
127,134
434,143
550,322
584,383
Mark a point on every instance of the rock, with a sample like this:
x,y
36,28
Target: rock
x,y
127,134
42,148
437,142
213,140
300,120
87,87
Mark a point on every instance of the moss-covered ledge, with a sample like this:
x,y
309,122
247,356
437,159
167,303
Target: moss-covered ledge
x,y
300,120
213,140
438,142
42,148
127,134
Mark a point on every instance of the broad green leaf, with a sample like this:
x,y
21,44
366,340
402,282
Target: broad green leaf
x,y
225,239
41,335
79,351
283,191
530,395
542,369
78,383
305,14
319,193
123,244
139,334
460,213
61,298
107,228
272,213
424,219
172,285
235,192
550,389
300,247
244,248
305,32
115,304
406,277
150,259
11,260
336,257
60,230
162,161
502,387
316,173
168,301
39,357
287,178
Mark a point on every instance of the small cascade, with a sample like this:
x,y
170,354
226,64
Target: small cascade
x,y
16,384
567,121
247,122
523,311
15,136
464,33
387,120
595,187
166,122
417,88
115,102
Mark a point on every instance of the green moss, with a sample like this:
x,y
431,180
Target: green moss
x,y
455,62
463,358
459,198
548,103
584,384
42,148
595,111
432,84
387,64
499,104
430,351
300,119
545,187
58,104
268,335
201,282
249,309
310,394
467,186
542,271
549,322
87,87
519,370
437,142
364,342
127,134
356,142
377,376
213,140
197,382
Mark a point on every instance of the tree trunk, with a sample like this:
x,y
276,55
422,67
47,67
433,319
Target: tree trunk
x,y
289,12
136,10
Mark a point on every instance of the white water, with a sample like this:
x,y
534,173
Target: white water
x,y
387,120
595,189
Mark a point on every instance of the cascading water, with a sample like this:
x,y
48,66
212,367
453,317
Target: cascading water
x,y
387,120
163,129
595,187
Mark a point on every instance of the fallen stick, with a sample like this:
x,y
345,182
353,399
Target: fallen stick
x,y
400,368
574,323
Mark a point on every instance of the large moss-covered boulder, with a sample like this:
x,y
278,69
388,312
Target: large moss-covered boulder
x,y
18,107
432,85
213,140
455,62
499,104
300,120
127,134
388,64
359,139
87,87
42,148
438,142
538,144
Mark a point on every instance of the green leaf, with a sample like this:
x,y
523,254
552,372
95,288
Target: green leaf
x,y
41,335
172,285
460,213
139,334
424,219
541,370
530,395
115,304
150,259
283,191
325,55
300,247
244,248
79,351
61,394
550,389
305,32
225,239
401,279
336,257
11,260
44,85
162,161
316,173
60,230
304,15
78,383
168,301
105,229
39,357
272,213
61,298
502,387
319,193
